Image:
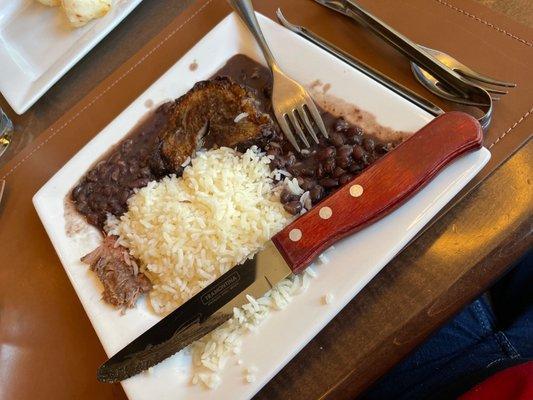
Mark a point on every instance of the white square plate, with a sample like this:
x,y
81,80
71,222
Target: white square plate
x,y
352,265
33,59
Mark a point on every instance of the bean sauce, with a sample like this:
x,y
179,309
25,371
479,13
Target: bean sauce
x,y
106,187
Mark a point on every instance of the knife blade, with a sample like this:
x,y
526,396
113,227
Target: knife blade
x,y
205,311
383,187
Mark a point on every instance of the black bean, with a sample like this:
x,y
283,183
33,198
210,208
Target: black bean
x,y
337,139
90,187
329,182
316,194
345,179
308,171
354,131
355,139
133,169
383,148
272,151
308,184
324,153
115,173
294,207
127,145
319,171
124,195
114,158
139,183
146,173
356,167
76,191
344,156
289,159
284,196
341,125
92,175
82,207
358,152
368,144
82,196
277,162
255,73
107,190
329,165
338,172
296,168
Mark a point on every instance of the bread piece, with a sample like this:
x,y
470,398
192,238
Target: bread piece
x,y
79,12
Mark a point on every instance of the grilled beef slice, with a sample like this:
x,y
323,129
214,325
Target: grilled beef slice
x,y
214,113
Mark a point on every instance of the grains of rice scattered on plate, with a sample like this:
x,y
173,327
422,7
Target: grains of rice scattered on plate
x,y
328,298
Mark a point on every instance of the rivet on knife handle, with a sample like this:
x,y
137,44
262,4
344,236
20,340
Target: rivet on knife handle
x,y
380,189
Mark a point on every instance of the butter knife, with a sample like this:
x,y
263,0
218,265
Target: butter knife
x,y
380,189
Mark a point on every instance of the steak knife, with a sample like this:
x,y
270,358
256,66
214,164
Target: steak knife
x,y
380,189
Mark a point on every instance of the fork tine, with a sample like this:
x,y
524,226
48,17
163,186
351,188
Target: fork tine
x,y
495,91
296,124
287,131
490,89
307,123
316,116
468,73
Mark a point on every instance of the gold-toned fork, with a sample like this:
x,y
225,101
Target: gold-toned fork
x,y
292,104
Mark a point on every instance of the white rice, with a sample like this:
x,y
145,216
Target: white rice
x,y
210,354
188,231
240,117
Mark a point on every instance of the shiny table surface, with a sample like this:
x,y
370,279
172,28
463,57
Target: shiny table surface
x,y
441,271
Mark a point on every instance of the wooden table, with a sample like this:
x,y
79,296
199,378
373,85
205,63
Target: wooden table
x,y
449,265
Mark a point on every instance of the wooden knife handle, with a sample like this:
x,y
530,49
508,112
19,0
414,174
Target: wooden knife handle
x,y
380,189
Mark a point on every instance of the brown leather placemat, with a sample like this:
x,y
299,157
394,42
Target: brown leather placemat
x,y
40,314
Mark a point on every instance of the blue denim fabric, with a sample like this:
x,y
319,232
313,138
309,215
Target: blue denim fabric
x,y
480,340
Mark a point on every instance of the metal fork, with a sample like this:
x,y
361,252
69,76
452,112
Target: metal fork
x,y
291,103
484,81
435,86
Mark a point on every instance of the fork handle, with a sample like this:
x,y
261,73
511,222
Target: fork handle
x,y
380,189
245,10
404,45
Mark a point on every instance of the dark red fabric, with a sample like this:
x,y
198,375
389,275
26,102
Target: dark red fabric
x,y
515,383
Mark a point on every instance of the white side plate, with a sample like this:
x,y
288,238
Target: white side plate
x,y
353,263
38,46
